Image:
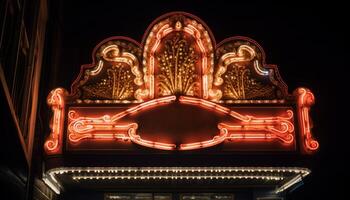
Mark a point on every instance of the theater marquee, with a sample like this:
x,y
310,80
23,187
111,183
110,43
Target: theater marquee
x,y
179,91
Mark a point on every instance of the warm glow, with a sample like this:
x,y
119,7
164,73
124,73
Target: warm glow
x,y
197,34
199,145
107,127
289,175
163,31
112,54
249,128
56,101
97,69
245,54
261,71
246,100
305,100
156,145
157,34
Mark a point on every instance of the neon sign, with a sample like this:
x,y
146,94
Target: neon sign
x,y
248,128
305,100
179,63
56,101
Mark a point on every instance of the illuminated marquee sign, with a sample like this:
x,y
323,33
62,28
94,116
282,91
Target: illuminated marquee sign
x,y
179,91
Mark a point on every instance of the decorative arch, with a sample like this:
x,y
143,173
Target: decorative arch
x,y
178,56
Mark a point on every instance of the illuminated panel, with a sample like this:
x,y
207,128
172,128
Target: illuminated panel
x,y
305,100
248,128
107,127
56,101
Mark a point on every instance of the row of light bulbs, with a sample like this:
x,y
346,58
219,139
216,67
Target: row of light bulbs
x,y
276,178
274,101
177,170
90,101
50,177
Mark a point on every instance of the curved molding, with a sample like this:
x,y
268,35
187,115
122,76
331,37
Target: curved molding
x,y
305,99
56,100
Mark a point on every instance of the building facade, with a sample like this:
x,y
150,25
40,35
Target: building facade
x,y
22,41
175,115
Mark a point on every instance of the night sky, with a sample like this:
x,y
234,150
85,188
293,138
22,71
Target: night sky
x,y
307,42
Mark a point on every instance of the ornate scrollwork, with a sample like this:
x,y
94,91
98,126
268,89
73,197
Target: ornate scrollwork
x,y
119,80
117,83
305,99
116,76
56,100
239,84
240,76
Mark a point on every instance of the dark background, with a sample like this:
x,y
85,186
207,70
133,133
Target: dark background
x,y
306,41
